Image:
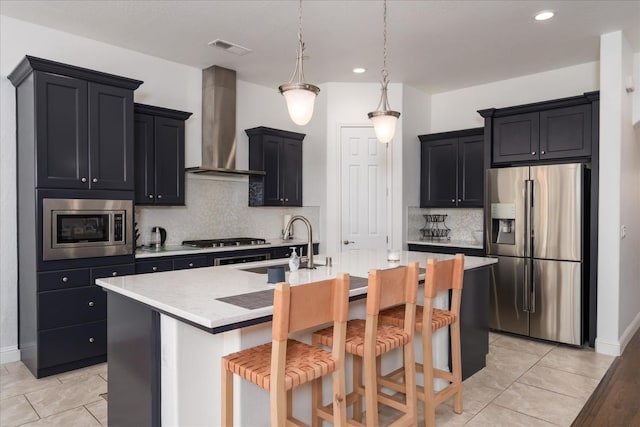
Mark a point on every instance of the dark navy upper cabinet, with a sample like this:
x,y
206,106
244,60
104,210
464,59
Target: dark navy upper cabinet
x,y
545,131
279,154
159,155
110,137
452,169
61,123
75,126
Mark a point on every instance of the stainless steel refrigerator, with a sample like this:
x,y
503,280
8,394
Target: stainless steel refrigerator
x,y
534,226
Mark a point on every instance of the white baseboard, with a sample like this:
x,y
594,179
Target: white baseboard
x,y
9,354
629,332
615,348
607,347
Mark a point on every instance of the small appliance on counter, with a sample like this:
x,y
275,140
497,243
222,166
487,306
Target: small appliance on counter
x,y
158,237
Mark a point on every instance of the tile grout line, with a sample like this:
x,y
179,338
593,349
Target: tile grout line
x,y
89,411
32,407
529,415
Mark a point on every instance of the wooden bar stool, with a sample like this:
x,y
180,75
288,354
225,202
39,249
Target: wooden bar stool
x,y
440,276
367,340
284,364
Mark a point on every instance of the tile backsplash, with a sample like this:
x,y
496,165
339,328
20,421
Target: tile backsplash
x,y
462,222
217,209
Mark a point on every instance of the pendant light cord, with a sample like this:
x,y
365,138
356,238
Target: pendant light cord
x,y
383,105
299,68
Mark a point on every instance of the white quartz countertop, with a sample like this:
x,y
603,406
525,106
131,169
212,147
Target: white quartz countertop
x,y
191,294
173,250
449,243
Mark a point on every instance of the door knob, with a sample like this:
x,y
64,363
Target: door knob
x,y
159,196
151,196
91,303
542,152
94,180
346,242
84,180
533,153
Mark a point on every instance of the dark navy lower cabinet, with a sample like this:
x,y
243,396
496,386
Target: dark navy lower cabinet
x,y
72,347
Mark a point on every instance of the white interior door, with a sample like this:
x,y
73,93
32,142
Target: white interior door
x,y
364,189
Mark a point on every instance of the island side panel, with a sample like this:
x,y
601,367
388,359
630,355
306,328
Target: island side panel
x,y
133,349
474,321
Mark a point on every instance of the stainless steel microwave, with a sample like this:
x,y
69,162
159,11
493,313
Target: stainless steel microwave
x,y
86,228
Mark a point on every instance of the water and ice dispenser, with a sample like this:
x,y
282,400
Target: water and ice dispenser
x,y
503,223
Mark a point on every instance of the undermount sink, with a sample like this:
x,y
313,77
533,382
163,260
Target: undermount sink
x,y
263,269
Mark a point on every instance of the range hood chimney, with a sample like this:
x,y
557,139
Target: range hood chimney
x,y
219,124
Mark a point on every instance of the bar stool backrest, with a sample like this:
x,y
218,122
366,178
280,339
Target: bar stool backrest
x,y
441,276
388,288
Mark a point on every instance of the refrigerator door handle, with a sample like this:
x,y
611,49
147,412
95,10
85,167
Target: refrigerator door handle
x,y
532,308
525,286
528,219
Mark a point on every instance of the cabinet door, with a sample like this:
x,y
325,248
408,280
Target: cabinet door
x,y
439,173
471,171
169,161
110,137
565,132
61,132
516,138
271,156
71,307
145,191
291,172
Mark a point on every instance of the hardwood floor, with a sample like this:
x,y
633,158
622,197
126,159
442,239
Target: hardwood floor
x,y
616,400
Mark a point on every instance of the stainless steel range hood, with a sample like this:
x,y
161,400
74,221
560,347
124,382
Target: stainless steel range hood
x,y
219,124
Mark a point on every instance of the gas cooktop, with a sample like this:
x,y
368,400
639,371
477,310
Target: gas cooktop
x,y
218,243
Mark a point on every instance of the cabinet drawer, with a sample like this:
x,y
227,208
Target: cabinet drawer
x,y
64,345
154,266
63,279
71,307
190,262
112,271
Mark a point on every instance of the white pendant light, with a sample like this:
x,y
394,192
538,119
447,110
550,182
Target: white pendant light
x,y
384,119
299,96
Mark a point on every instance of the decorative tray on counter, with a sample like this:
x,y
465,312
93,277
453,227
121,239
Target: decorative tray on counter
x,y
435,229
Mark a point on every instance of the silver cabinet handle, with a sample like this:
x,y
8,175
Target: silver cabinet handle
x,y
282,200
533,153
84,180
459,200
114,274
346,242
154,268
190,264
94,180
286,200
91,303
542,152
91,339
65,279
151,196
159,196
453,200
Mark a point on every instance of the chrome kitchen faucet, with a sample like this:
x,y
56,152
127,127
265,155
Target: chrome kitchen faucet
x,y
306,222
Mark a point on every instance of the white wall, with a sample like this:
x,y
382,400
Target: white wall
x,y
618,267
457,109
416,110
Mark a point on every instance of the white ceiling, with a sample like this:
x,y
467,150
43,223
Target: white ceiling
x,y
432,45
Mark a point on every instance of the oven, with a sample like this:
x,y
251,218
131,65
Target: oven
x,y
238,259
86,228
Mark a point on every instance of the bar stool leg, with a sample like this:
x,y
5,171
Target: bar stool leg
x,y
429,395
371,392
456,366
357,388
227,397
316,402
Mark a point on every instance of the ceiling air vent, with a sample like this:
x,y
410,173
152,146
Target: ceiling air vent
x,y
236,49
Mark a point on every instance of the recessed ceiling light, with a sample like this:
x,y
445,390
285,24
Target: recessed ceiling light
x,y
230,47
359,70
544,15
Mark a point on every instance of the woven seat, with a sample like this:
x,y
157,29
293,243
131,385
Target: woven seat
x,y
388,337
440,318
283,364
304,363
367,340
440,276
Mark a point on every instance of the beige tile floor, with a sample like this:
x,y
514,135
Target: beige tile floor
x,y
525,383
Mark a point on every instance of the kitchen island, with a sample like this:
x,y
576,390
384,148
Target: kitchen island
x,y
167,332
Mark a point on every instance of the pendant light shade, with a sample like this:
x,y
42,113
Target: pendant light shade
x,y
300,99
299,96
384,124
384,118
